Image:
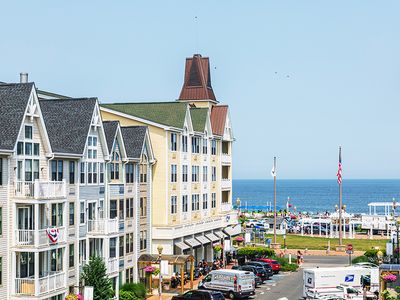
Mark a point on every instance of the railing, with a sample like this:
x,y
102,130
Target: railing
x,y
26,286
37,238
40,189
226,207
103,226
112,265
226,158
226,183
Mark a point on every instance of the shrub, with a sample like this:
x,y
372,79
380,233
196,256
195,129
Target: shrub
x,y
137,289
289,268
372,253
360,259
256,251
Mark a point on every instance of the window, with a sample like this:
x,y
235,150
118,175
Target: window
x,y
121,209
28,132
114,170
129,208
213,173
36,150
174,143
57,214
28,148
174,205
205,201
56,170
113,209
184,173
195,202
174,173
129,243
113,247
184,203
129,275
71,172
71,214
205,146
1,221
195,173
143,206
28,169
143,240
213,147
101,167
195,145
56,260
1,271
205,175
20,148
143,173
1,171
129,173
92,172
82,213
213,200
121,246
71,255
82,173
184,143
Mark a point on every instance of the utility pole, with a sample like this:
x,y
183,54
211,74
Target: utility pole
x,y
274,200
339,179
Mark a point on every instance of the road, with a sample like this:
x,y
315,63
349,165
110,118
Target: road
x,y
290,285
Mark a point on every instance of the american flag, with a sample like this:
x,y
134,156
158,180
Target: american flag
x,y
339,172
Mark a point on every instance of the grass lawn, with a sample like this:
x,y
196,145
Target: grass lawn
x,y
319,243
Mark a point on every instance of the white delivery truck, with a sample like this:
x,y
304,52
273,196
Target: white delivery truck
x,y
232,283
327,281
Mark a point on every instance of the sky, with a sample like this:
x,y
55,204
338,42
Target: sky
x,y
300,77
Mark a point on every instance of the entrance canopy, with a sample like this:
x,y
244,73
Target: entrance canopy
x,y
172,259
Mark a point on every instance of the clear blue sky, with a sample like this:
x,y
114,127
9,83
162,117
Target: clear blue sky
x,y
342,59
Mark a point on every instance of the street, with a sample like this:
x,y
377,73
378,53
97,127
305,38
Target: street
x,y
290,285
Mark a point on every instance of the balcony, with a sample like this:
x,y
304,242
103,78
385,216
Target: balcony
x,y
37,238
226,183
103,226
30,286
226,159
39,189
112,265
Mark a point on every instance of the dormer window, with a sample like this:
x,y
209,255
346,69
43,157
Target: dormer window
x,y
114,170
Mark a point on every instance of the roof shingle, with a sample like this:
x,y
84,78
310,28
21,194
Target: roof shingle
x,y
218,119
199,118
68,122
134,139
13,101
110,130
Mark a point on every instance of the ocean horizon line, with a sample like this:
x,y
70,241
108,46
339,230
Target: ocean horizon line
x,y
321,179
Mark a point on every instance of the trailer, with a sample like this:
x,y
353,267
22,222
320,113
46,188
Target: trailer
x,y
326,281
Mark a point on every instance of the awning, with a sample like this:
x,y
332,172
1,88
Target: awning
x,y
212,237
192,243
233,230
220,234
182,246
203,239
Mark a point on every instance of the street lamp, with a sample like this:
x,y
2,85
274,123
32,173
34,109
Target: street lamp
x,y
159,249
238,204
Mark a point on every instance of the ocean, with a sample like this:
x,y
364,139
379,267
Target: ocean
x,y
315,195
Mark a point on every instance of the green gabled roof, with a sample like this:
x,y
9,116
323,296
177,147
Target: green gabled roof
x,y
171,114
199,118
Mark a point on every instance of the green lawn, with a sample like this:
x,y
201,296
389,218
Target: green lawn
x,y
318,243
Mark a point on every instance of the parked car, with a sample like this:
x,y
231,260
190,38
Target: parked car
x,y
232,283
276,267
259,273
200,295
267,267
251,222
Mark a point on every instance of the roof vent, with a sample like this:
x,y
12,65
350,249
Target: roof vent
x,y
23,77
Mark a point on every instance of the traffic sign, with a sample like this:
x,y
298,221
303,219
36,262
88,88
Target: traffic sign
x,y
349,247
349,251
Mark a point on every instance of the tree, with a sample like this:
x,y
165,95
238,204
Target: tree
x,y
95,274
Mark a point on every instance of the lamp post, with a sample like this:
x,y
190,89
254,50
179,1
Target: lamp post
x,y
238,204
159,249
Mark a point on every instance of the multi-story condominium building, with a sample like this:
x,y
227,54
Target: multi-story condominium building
x,y
70,187
192,180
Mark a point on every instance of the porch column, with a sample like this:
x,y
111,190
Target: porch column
x,y
36,224
312,228
13,272
36,270
65,264
320,227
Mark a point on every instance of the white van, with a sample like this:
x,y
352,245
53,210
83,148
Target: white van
x,y
232,283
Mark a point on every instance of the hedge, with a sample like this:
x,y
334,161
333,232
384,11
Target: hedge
x,y
256,251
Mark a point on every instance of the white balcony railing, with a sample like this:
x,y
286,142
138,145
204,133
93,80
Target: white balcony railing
x,y
37,238
40,189
226,183
103,226
226,158
27,286
112,265
226,207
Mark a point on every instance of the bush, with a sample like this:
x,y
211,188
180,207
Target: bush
x,y
127,295
289,268
253,252
137,289
360,259
371,253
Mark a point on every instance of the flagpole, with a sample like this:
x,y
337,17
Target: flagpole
x,y
340,203
275,200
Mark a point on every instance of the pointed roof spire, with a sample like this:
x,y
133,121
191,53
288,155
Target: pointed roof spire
x,y
197,82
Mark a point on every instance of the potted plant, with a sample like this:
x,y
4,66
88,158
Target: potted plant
x,y
74,297
239,239
389,277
